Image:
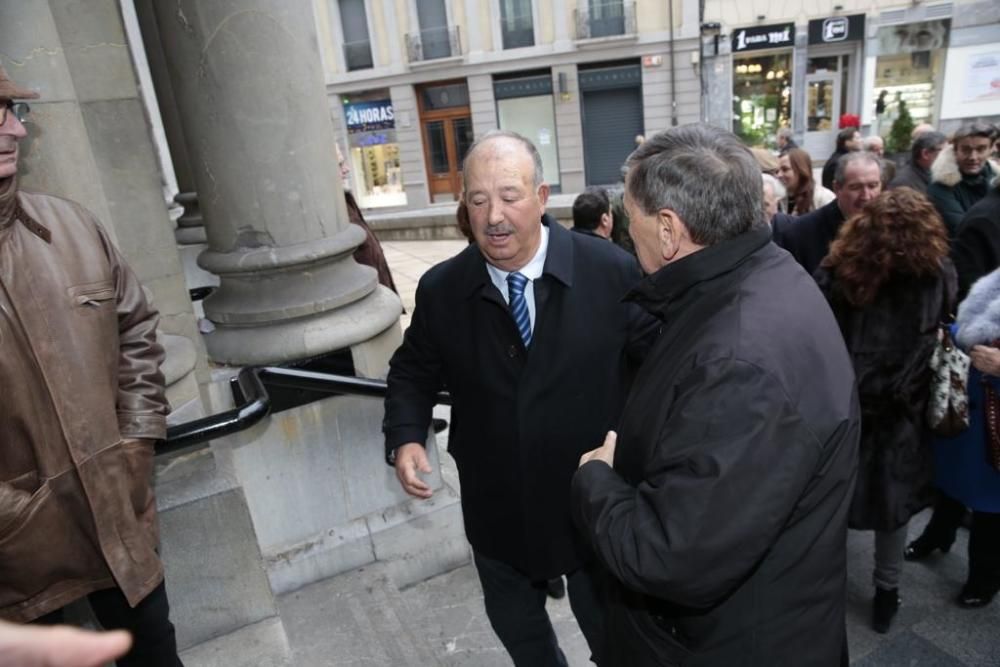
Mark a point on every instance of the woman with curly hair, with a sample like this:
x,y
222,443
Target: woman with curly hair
x,y
889,282
804,194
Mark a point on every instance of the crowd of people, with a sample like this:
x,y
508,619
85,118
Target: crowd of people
x,y
683,425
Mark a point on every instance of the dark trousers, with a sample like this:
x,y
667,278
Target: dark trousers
x,y
515,605
984,541
153,641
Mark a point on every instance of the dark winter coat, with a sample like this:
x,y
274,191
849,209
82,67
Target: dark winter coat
x,y
976,248
890,342
912,176
725,516
952,192
521,419
830,169
808,238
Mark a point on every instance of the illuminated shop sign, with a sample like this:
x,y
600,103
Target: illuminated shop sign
x,y
368,116
763,37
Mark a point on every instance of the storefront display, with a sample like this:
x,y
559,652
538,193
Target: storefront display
x,y
762,96
373,153
908,68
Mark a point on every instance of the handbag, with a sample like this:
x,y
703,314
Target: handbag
x,y
992,425
948,407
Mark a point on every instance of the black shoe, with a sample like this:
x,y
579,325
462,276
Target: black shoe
x,y
973,597
556,588
884,608
924,546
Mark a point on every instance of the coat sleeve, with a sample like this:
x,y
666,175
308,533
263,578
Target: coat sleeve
x,y
141,404
974,252
947,206
415,377
732,459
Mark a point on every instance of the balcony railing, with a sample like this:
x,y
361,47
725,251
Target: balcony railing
x,y
605,20
433,43
358,55
518,31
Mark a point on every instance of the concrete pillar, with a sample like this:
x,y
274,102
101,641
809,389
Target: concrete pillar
x,y
190,232
569,129
248,82
89,141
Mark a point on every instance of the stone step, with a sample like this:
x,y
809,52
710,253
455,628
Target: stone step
x,y
263,644
356,618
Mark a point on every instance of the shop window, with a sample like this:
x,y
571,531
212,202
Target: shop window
x,y
762,96
373,152
908,67
516,23
357,45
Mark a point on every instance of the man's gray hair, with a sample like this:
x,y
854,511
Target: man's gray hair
x,y
847,159
785,133
925,141
777,187
703,174
871,141
536,158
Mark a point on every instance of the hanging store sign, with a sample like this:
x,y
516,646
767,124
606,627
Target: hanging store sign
x,y
763,37
834,29
369,116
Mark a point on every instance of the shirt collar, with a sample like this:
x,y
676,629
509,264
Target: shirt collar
x,y
532,270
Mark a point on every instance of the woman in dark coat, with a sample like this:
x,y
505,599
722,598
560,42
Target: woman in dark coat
x,y
888,279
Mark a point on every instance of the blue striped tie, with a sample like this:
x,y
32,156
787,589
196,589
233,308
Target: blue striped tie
x,y
519,305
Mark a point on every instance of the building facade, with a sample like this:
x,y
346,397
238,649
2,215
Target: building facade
x,y
413,82
769,65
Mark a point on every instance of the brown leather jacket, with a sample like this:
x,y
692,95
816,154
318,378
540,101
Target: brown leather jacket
x,y
78,413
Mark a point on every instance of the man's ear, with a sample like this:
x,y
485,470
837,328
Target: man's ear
x,y
543,195
671,231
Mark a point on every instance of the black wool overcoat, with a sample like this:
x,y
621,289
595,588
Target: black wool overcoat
x,y
521,418
725,516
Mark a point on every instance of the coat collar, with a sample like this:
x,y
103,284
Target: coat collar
x,y
558,259
11,211
657,291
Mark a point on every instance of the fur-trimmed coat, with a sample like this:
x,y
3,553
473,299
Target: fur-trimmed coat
x,y
976,248
978,321
954,193
890,342
960,466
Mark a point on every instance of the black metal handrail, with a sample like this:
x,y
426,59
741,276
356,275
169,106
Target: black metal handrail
x,y
253,402
253,406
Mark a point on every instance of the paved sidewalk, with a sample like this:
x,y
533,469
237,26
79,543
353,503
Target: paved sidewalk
x,y
929,631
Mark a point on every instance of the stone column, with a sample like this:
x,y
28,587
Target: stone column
x,y
190,232
89,141
248,82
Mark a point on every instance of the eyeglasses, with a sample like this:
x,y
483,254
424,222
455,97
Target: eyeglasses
x,y
20,109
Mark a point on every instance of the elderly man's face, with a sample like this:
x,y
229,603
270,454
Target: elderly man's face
x,y
505,208
770,201
10,133
862,183
644,230
876,146
971,154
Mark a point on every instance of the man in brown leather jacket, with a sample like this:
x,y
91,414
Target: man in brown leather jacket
x,y
81,404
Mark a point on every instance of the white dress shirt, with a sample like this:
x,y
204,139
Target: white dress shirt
x,y
532,271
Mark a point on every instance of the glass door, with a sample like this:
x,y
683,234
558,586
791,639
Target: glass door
x,y
822,113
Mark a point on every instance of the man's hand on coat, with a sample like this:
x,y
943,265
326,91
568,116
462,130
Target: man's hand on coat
x,y
411,459
605,452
